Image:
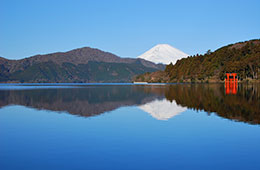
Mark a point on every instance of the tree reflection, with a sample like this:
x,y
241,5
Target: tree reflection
x,y
244,106
94,100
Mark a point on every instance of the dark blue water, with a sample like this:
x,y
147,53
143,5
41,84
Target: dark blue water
x,y
129,127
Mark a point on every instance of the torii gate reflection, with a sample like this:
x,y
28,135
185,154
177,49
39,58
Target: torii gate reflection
x,y
231,83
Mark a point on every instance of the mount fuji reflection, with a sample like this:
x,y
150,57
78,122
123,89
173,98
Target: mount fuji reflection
x,y
162,109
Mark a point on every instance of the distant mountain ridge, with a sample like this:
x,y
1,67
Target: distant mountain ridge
x,y
80,65
163,53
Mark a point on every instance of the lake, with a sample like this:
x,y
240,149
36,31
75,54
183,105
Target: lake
x,y
127,126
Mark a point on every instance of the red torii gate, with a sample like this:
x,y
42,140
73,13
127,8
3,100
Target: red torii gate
x,y
231,83
231,77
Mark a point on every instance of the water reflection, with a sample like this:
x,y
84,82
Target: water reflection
x,y
231,87
86,101
244,106
162,102
162,109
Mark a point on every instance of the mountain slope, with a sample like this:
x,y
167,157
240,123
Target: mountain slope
x,y
242,58
163,53
79,65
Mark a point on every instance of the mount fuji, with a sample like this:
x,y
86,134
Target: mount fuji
x,y
163,53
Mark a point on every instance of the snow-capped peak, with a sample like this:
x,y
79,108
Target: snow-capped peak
x,y
163,53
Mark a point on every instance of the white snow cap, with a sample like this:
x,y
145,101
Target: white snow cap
x,y
163,53
162,109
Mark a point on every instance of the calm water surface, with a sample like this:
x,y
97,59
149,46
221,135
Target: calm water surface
x,y
104,126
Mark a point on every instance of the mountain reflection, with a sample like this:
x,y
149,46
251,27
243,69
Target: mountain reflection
x,y
162,109
162,102
87,101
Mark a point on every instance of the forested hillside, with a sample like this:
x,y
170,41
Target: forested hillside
x,y
242,58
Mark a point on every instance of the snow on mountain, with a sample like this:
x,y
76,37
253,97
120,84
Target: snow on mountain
x,y
163,53
162,109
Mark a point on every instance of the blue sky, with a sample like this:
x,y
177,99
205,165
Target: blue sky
x,y
125,28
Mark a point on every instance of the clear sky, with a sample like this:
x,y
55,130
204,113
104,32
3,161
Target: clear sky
x,y
125,28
